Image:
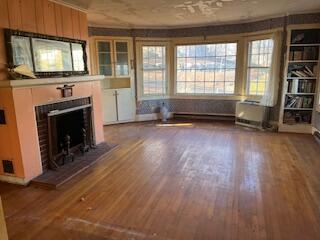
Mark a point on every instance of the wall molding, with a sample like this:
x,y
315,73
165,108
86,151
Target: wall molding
x,y
235,28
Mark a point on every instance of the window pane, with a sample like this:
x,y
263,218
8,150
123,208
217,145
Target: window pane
x,y
205,68
201,50
209,87
220,49
229,87
154,70
105,70
104,58
181,75
200,63
122,47
122,65
209,75
190,75
210,50
181,51
230,75
181,87
190,87
259,65
104,47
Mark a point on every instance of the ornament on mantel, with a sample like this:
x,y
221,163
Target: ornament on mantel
x,y
21,72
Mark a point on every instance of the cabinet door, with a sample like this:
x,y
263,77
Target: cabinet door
x,y
126,105
109,106
104,55
121,52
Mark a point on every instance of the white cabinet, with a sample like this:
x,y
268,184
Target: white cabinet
x,y
109,105
125,104
118,105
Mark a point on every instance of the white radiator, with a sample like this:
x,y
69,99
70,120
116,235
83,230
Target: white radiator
x,y
251,114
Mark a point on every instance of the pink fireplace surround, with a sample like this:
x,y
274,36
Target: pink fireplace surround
x,y
19,141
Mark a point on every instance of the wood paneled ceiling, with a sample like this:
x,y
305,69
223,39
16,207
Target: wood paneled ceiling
x,y
186,13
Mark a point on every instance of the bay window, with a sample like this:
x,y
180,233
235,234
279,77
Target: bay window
x,y
260,55
206,69
154,70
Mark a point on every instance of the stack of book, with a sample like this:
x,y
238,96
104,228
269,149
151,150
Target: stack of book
x,y
291,117
306,53
302,86
304,71
299,102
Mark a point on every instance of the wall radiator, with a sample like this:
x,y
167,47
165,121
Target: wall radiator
x,y
251,114
316,134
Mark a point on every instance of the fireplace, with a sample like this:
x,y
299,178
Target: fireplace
x,y
65,131
27,106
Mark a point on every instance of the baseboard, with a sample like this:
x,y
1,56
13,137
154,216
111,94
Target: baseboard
x,y
206,116
315,130
316,134
14,180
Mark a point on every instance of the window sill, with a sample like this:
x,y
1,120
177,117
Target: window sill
x,y
153,97
201,96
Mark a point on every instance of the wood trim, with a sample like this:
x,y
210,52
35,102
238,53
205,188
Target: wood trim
x,y
3,228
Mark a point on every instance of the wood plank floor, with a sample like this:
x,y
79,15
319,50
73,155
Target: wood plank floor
x,y
198,181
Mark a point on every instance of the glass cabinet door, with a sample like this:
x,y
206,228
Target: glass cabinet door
x,y
122,59
105,58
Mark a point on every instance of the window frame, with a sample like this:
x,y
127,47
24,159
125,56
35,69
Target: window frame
x,y
208,95
246,61
139,49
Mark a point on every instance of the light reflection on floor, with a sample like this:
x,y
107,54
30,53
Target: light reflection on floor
x,y
174,125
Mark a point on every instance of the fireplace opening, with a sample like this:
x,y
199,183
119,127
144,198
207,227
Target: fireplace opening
x,y
65,131
70,124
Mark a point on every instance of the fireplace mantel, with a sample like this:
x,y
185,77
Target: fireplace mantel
x,y
49,81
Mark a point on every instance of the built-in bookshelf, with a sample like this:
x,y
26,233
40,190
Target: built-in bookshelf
x,y
301,76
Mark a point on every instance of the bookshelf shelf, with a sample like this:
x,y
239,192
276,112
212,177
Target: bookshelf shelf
x,y
300,84
299,109
305,45
303,61
289,93
302,78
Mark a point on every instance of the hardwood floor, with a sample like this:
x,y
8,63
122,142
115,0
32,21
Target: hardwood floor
x,y
198,181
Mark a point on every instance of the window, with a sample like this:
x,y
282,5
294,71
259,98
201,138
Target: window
x,y
259,66
206,69
154,70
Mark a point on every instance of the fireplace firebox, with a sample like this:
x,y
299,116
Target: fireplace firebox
x,y
65,131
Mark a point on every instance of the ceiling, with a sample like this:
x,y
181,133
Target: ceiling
x,y
185,13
